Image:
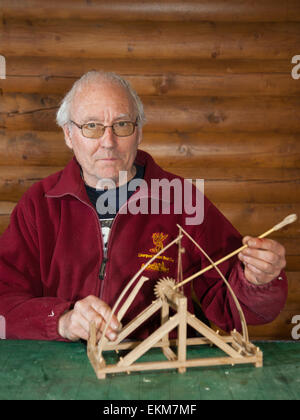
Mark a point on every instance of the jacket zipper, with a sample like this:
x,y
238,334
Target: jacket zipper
x,y
105,260
99,287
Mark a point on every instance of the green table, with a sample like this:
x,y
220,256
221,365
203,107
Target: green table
x,y
43,370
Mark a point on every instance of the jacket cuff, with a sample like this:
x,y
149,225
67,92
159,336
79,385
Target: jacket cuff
x,y
246,283
264,300
52,321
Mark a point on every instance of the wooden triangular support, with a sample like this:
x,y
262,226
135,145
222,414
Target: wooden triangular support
x,y
237,347
237,350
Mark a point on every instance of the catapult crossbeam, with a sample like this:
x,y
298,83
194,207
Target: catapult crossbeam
x,y
236,349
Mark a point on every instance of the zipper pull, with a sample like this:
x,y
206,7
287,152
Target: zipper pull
x,y
102,268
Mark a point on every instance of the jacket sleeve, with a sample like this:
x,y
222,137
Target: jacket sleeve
x,y
27,314
261,304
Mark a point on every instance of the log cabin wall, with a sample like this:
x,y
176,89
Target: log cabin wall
x,y
215,78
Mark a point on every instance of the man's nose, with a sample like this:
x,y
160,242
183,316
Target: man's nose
x,y
108,139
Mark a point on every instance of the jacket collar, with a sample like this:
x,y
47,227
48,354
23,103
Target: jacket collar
x,y
70,181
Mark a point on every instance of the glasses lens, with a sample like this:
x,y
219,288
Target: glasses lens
x,y
93,130
123,128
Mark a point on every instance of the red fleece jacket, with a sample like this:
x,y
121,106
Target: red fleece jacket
x,y
51,253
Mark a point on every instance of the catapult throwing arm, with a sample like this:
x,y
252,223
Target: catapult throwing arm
x,y
286,221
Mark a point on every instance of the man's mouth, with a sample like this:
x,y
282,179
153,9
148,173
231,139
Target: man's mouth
x,y
108,159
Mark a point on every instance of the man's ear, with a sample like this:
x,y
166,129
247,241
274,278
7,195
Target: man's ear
x,y
68,136
140,134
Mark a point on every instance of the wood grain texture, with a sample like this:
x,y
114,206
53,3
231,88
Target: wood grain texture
x,y
212,114
35,66
185,153
164,77
162,10
185,40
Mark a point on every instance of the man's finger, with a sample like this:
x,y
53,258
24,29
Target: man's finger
x,y
100,323
262,266
255,276
104,310
264,243
262,255
94,309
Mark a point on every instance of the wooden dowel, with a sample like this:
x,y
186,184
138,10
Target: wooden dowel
x,y
125,290
131,297
137,321
289,219
238,306
149,341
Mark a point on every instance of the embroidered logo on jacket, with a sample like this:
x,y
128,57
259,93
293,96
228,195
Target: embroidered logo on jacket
x,y
158,240
158,264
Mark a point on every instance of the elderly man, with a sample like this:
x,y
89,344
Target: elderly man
x,y
65,258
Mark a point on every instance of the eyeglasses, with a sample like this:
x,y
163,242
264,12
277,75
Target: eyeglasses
x,y
93,130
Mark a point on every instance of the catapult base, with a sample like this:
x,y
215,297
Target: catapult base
x,y
237,350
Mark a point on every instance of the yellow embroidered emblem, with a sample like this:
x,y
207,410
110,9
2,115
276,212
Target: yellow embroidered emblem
x,y
158,240
157,266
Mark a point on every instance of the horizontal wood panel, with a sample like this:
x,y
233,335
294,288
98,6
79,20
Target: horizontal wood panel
x,y
183,40
293,262
293,301
226,185
255,219
162,10
177,151
214,175
185,150
170,84
6,208
37,112
57,67
33,148
252,191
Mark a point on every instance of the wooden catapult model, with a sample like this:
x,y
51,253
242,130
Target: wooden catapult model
x,y
168,293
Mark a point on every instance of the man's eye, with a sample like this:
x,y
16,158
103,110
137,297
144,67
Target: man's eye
x,y
91,126
122,123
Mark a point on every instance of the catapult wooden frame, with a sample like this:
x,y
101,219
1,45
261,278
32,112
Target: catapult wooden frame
x,y
168,292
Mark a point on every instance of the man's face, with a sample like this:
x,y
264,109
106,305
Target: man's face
x,y
105,103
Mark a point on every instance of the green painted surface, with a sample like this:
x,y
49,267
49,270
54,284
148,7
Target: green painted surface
x,y
43,370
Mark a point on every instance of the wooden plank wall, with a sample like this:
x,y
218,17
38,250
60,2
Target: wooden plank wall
x,y
215,77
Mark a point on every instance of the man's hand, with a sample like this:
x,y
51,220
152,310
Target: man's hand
x,y
263,259
75,324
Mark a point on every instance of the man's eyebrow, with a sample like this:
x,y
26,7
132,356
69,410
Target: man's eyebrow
x,y
88,119
91,118
122,116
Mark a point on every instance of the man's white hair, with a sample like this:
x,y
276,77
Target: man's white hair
x,y
63,114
